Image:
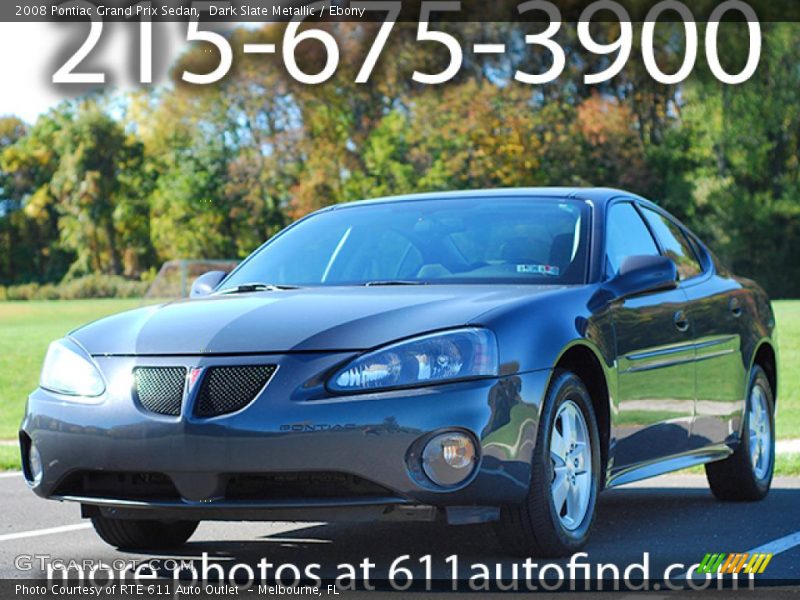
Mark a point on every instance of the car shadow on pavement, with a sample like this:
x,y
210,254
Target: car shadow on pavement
x,y
670,524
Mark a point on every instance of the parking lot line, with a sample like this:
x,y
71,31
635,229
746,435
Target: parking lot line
x,y
11,474
37,532
780,545
776,546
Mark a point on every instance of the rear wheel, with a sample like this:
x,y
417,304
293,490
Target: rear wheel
x,y
747,473
557,516
135,534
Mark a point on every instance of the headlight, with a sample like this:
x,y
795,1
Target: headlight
x,y
69,370
434,358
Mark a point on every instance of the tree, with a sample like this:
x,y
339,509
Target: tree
x,y
744,176
31,218
11,131
102,213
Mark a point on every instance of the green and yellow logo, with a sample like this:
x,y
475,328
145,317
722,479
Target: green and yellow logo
x,y
734,563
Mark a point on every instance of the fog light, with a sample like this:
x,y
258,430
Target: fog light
x,y
449,458
35,464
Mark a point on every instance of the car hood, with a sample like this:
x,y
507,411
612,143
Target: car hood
x,y
310,319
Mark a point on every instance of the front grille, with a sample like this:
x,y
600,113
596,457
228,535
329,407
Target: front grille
x,y
160,389
228,389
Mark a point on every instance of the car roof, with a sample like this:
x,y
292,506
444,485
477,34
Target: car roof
x,y
597,195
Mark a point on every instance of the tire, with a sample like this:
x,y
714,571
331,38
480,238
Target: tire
x,y
738,478
537,527
136,534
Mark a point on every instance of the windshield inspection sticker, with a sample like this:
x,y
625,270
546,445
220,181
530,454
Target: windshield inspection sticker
x,y
539,269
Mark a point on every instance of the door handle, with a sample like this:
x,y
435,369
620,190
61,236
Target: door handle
x,y
735,307
681,322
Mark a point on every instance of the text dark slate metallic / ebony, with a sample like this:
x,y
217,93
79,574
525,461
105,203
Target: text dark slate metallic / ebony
x,y
491,355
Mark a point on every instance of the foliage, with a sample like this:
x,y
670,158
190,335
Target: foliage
x,y
95,285
212,171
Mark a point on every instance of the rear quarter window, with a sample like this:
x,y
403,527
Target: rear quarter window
x,y
676,245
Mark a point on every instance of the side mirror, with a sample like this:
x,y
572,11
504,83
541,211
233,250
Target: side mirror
x,y
206,283
643,275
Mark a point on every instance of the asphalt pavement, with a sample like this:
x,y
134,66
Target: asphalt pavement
x,y
672,518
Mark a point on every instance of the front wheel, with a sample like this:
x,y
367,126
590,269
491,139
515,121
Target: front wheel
x,y
136,534
557,517
747,473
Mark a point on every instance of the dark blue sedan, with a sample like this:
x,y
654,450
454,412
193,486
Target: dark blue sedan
x,y
493,355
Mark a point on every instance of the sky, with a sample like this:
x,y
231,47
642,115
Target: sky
x,y
31,52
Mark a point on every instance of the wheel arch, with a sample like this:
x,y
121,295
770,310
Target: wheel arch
x,y
766,358
585,362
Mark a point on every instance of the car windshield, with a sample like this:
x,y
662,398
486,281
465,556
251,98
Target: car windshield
x,y
440,241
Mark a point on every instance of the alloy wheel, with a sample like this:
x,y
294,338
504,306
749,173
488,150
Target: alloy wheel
x,y
571,457
760,432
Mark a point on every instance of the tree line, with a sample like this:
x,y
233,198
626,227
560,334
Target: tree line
x,y
119,183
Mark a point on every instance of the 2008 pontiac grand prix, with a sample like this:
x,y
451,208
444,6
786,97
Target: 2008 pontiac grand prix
x,y
498,355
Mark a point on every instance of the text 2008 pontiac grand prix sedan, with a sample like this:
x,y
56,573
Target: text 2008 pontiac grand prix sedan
x,y
496,355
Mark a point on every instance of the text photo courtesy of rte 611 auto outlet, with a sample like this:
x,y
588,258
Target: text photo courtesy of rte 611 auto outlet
x,y
399,297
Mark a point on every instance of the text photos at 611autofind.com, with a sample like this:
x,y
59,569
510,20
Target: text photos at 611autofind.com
x,y
454,573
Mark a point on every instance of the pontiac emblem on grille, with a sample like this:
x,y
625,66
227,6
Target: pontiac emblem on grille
x,y
194,375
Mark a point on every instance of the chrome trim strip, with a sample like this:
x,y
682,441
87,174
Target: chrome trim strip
x,y
672,350
680,348
716,354
660,352
660,365
716,341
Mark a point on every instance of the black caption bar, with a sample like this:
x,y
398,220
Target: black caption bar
x,y
39,589
359,10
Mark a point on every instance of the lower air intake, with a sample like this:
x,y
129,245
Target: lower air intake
x,y
228,389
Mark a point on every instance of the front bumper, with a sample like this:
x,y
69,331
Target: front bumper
x,y
294,426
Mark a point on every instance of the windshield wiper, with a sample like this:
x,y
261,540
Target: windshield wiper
x,y
393,282
257,287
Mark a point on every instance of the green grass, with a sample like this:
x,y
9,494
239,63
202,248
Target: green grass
x,y
787,314
26,328
786,465
9,458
